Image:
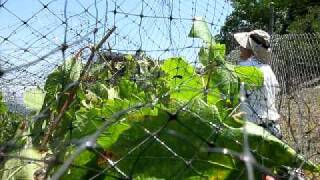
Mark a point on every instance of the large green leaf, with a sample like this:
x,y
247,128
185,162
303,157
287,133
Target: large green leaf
x,y
204,56
54,84
214,54
217,53
87,121
160,146
182,79
130,90
251,76
73,67
201,30
110,136
61,77
268,150
163,164
186,133
81,165
227,82
33,99
210,52
16,168
102,91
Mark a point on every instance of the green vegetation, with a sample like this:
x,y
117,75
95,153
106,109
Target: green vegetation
x,y
9,122
290,16
174,125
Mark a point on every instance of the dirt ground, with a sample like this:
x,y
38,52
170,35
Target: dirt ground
x,y
300,122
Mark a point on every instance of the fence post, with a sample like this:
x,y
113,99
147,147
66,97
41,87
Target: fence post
x,y
271,18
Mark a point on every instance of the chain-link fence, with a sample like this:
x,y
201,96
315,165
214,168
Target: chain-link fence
x,y
109,111
295,60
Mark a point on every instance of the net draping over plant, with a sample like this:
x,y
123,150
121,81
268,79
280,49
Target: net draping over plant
x,y
106,111
35,38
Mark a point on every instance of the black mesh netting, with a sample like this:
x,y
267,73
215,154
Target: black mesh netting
x,y
123,95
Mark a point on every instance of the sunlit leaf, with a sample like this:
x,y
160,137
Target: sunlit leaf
x,y
213,54
251,76
201,30
227,82
217,53
266,147
16,168
110,136
182,79
73,67
33,99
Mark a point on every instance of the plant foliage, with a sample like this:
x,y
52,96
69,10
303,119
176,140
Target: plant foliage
x,y
184,118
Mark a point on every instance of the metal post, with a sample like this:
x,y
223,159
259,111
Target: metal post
x,y
271,18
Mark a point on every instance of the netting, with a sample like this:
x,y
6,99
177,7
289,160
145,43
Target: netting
x,y
36,32
119,117
296,62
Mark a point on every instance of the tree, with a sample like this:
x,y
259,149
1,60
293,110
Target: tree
x,y
289,16
308,22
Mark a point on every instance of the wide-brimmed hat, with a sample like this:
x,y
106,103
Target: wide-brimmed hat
x,y
258,41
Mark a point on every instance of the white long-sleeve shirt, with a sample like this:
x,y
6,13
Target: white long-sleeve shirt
x,y
259,105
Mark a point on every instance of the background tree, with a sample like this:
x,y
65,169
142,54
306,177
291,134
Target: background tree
x,y
290,16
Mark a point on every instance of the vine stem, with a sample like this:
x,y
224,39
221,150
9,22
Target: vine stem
x,y
208,83
72,93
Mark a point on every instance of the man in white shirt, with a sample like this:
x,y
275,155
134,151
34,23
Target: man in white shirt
x,y
259,106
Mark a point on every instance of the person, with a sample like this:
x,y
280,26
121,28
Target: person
x,y
259,106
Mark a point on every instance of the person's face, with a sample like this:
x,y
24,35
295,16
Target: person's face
x,y
245,53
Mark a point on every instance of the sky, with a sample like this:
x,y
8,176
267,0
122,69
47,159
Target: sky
x,y
30,29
